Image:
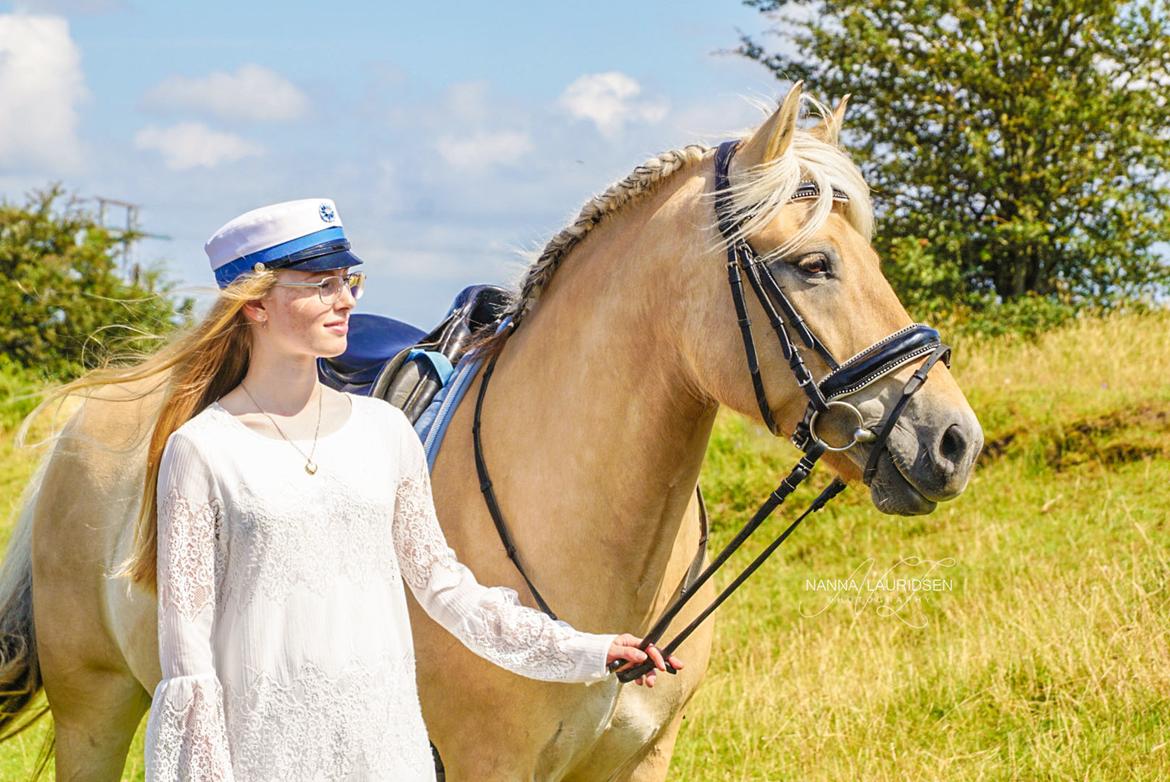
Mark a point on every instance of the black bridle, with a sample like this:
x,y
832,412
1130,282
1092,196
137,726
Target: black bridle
x,y
825,403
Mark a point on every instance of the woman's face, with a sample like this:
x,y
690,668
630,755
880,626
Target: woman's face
x,y
297,321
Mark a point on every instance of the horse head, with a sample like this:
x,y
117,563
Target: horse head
x,y
794,226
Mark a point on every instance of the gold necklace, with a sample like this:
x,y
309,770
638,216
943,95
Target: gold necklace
x,y
310,465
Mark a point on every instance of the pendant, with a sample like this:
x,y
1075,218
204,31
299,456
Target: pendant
x,y
310,468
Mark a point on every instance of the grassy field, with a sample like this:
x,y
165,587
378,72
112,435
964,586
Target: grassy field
x,y
1041,650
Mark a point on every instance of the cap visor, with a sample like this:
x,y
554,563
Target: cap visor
x,y
337,260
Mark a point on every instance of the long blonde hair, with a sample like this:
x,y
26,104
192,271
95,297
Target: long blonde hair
x,y
198,365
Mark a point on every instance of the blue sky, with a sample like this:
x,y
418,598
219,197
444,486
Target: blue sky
x,y
451,136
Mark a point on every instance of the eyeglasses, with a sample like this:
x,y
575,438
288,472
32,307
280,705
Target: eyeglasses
x,y
329,287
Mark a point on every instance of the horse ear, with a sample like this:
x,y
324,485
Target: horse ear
x,y
772,139
829,130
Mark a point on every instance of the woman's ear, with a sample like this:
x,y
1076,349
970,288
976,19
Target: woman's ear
x,y
255,311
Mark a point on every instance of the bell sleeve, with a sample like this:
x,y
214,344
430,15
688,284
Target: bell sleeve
x,y
490,621
186,736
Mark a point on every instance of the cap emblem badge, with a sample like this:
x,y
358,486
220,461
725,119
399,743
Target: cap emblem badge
x,y
327,213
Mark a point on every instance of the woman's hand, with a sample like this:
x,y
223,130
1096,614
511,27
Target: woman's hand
x,y
626,647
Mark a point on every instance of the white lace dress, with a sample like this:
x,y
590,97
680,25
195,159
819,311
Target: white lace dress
x,y
284,636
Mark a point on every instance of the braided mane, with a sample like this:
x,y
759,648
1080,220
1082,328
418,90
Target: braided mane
x,y
638,183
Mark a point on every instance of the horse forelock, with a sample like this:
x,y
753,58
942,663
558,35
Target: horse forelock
x,y
758,196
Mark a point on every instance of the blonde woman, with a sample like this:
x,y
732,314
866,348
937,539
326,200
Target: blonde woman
x,y
279,520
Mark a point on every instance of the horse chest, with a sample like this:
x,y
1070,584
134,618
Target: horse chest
x,y
612,726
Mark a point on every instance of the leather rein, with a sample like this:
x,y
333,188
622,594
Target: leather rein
x,y
825,403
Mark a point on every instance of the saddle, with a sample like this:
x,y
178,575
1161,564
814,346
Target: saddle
x,y
398,362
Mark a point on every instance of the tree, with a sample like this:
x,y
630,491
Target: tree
x,y
1014,147
62,294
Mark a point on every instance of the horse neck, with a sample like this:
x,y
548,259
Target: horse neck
x,y
605,427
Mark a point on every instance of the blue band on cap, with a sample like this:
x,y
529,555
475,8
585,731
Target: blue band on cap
x,y
232,269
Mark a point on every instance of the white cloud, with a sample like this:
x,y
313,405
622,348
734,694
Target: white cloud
x,y
484,149
609,100
468,101
41,83
193,145
253,93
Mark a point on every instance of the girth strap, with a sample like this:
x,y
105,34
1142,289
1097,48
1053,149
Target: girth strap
x,y
697,561
485,487
489,495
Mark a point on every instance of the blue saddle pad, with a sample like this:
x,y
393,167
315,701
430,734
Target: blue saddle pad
x,y
373,340
432,424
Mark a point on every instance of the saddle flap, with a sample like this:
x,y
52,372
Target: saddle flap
x,y
412,379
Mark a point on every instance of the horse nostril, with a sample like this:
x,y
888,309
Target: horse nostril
x,y
953,445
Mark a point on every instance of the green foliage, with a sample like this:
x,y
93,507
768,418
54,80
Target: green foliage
x,y
1029,315
18,391
1015,148
63,305
932,287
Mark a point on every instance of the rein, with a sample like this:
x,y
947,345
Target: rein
x,y
825,403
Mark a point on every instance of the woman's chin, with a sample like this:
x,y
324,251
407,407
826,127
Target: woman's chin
x,y
332,346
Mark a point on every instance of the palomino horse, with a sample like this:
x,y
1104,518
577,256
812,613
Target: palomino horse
x,y
595,429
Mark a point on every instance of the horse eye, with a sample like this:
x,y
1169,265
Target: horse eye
x,y
814,263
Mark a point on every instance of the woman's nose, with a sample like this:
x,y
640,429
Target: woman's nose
x,y
345,299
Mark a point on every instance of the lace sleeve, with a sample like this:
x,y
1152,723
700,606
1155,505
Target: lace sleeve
x,y
186,738
490,621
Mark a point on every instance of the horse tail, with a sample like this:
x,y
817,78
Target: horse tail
x,y
20,669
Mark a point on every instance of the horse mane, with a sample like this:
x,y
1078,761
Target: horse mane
x,y
756,200
637,184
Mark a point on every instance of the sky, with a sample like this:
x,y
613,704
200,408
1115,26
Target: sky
x,y
453,137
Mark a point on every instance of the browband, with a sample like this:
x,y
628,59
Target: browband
x,y
808,189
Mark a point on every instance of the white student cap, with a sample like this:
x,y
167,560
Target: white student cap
x,y
306,234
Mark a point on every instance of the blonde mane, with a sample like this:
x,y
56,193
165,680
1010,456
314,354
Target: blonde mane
x,y
756,200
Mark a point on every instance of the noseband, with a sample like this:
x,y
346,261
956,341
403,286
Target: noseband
x,y
827,406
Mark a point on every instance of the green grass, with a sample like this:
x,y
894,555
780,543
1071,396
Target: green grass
x,y
1047,657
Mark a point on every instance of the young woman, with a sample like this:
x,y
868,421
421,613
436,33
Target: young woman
x,y
278,523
